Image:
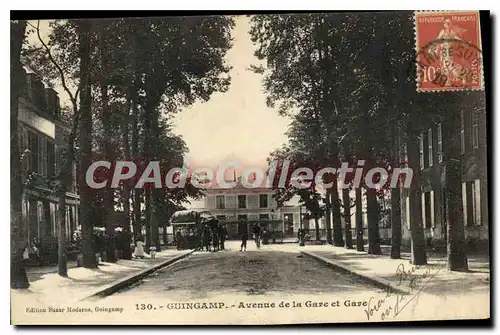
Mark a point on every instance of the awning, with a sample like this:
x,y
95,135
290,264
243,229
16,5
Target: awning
x,y
183,216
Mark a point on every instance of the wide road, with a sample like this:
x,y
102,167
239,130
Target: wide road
x,y
272,269
263,271
275,273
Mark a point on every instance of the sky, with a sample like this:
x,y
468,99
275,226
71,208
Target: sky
x,y
233,126
236,125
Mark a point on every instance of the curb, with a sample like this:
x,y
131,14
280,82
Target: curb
x,y
375,281
119,284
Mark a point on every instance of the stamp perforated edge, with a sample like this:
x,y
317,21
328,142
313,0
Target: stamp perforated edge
x,y
480,47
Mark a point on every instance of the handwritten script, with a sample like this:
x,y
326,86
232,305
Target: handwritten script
x,y
410,281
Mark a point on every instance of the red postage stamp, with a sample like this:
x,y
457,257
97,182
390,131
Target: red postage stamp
x,y
449,56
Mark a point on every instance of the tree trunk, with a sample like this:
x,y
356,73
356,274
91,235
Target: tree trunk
x,y
127,253
457,254
129,152
65,179
62,261
135,152
328,217
456,244
158,218
85,142
373,211
396,232
316,222
360,243
418,249
137,213
346,200
165,224
151,116
338,239
109,194
395,223
18,277
149,217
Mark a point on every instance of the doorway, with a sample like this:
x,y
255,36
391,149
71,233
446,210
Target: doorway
x,y
242,224
288,225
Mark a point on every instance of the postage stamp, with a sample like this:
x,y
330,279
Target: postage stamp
x,y
448,46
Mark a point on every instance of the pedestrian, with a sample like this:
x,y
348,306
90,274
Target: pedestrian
x,y
222,235
178,240
152,251
206,237
215,238
244,238
139,250
256,234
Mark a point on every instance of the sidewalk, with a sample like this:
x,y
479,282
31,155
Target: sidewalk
x,y
46,286
433,278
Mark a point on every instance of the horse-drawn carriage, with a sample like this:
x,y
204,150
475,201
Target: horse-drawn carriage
x,y
187,227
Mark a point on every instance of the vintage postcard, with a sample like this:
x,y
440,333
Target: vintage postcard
x,y
249,169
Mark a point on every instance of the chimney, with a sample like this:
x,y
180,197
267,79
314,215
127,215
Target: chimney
x,y
30,87
40,101
52,102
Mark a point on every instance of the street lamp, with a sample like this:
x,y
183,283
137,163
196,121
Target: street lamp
x,y
301,230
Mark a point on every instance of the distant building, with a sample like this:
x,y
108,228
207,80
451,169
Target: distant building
x,y
241,207
42,137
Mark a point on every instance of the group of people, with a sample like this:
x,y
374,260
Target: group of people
x,y
213,237
256,231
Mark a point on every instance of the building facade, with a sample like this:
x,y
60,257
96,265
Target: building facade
x,y
241,207
433,181
42,136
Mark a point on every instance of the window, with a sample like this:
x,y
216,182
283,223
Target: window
x,y
424,210
464,202
47,218
50,159
25,156
428,209
462,132
408,217
220,203
242,217
33,148
75,180
54,218
242,201
475,135
263,200
263,217
404,155
433,222
439,143
431,152
476,202
42,156
421,149
57,158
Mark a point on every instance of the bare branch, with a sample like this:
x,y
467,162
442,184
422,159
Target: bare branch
x,y
58,67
